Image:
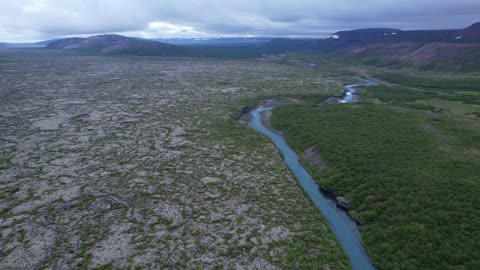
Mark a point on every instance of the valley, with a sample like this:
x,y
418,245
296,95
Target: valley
x,y
132,153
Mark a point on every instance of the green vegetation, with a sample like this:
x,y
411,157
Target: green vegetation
x,y
419,202
465,83
307,250
397,94
304,98
409,89
408,159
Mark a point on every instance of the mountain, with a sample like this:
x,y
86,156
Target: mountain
x,y
427,49
116,44
365,35
449,49
335,42
361,37
395,35
469,34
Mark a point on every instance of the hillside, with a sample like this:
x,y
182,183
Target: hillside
x,y
469,34
426,49
116,44
362,37
432,55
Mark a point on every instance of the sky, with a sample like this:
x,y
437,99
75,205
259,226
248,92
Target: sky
x,y
34,20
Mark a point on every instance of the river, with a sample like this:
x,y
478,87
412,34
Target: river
x,y
343,227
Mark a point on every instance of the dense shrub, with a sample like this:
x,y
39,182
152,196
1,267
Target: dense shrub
x,y
421,205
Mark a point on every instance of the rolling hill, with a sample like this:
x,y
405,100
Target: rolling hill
x,y
116,44
432,55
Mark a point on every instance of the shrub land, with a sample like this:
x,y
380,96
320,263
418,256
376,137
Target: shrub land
x,y
411,173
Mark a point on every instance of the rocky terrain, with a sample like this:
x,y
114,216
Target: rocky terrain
x,y
138,163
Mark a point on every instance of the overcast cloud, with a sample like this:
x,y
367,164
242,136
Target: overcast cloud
x,y
28,20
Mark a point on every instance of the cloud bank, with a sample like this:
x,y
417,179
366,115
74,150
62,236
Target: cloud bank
x,y
27,20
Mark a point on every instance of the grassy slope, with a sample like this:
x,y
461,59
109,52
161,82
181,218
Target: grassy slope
x,y
412,175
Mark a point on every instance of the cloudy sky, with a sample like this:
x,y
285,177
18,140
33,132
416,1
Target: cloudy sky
x,y
30,20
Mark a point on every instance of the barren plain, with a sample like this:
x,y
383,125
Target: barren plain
x,y
138,163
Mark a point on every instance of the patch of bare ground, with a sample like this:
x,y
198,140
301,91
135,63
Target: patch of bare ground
x,y
473,151
472,126
398,109
430,114
430,128
266,121
312,159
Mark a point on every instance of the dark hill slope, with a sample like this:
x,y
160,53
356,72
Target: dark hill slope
x,y
431,55
116,44
337,41
469,34
364,37
361,37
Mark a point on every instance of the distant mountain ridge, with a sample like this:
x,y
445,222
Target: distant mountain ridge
x,y
117,44
453,49
342,39
449,49
365,34
39,44
230,41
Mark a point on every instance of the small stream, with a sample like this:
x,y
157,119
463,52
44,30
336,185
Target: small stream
x,y
351,93
344,228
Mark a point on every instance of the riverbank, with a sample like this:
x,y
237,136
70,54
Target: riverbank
x,y
411,177
351,94
341,202
342,225
265,115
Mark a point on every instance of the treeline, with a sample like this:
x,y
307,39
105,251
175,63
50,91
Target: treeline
x,y
400,95
466,83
